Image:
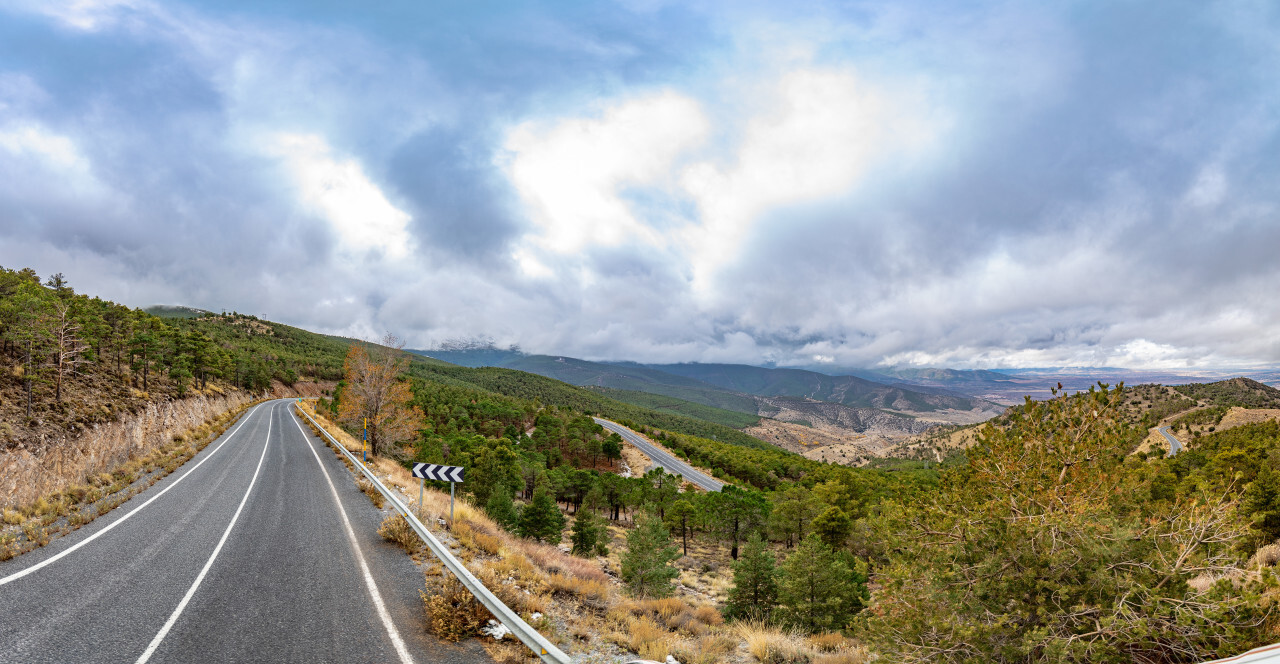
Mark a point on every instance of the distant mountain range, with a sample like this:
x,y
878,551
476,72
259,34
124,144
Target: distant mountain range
x,y
848,403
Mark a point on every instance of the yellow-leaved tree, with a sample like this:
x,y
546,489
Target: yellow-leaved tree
x,y
374,393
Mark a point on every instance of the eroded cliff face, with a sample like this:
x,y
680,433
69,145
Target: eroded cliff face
x,y
25,475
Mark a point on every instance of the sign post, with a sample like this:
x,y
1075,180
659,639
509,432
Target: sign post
x,y
364,436
431,471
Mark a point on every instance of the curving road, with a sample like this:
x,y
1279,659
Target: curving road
x,y
661,458
1174,444
259,549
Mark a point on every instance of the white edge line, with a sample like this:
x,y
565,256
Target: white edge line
x,y
52,559
355,545
173,618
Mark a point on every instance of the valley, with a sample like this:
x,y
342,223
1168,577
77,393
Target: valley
x,y
858,487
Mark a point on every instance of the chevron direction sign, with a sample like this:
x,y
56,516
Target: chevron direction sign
x,y
431,471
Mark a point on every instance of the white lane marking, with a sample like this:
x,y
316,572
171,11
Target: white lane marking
x,y
155,643
364,567
52,559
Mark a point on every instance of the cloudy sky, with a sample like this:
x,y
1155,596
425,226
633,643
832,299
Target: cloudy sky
x,y
965,184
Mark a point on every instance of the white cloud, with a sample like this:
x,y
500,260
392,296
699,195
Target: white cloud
x,y
56,151
338,189
35,152
1209,188
87,15
824,131
571,175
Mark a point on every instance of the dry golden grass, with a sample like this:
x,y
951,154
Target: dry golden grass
x,y
770,644
371,491
510,653
396,529
1266,556
708,615
830,642
856,656
646,638
452,612
708,649
588,589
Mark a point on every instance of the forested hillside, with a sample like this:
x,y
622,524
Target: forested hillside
x,y
70,360
1054,544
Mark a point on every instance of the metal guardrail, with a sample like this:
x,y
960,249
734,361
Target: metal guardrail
x,y
536,642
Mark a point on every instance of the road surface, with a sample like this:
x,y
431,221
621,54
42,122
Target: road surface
x,y
1174,445
661,458
259,549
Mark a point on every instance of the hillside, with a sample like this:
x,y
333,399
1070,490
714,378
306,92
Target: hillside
x,y
172,311
845,408
549,391
1240,391
846,390
665,404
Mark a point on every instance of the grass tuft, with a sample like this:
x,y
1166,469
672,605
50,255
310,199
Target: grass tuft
x,y
396,528
770,644
452,611
371,491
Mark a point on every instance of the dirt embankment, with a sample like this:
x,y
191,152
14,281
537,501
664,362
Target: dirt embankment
x,y
28,474
302,389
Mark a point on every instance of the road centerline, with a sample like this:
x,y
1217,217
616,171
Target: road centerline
x,y
173,618
379,605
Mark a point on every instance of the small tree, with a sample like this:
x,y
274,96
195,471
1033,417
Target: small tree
x,y
612,448
680,518
646,565
833,527
793,511
736,513
816,586
541,519
755,581
502,509
68,347
374,394
588,534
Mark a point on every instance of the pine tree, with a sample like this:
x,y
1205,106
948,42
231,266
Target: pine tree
x,y
755,581
646,565
680,518
501,509
833,527
816,586
542,520
587,533
1261,503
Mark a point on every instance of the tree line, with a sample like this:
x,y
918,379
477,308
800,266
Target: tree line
x,y
57,337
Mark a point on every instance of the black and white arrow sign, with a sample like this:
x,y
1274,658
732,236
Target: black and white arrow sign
x,y
433,471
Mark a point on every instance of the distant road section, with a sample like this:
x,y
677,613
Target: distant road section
x,y
661,458
1174,445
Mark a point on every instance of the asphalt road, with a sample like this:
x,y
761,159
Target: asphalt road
x,y
661,458
1174,445
259,549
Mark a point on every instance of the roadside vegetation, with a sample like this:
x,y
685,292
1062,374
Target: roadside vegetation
x,y
1049,538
